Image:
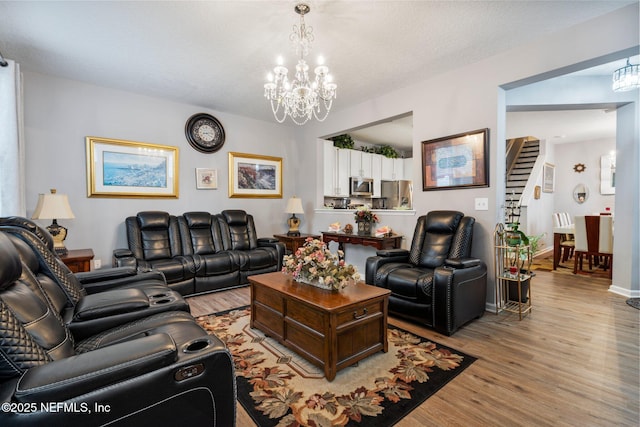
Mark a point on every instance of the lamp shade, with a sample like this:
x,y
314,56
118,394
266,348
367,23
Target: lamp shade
x,y
294,206
53,206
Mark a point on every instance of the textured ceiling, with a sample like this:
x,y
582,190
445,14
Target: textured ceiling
x,y
216,54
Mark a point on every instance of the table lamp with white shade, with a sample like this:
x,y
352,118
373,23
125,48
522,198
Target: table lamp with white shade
x,y
54,206
294,206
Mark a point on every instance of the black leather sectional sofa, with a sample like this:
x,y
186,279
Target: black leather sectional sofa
x,y
199,252
115,348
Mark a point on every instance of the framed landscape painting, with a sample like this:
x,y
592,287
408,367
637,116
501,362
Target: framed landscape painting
x,y
456,161
119,168
255,176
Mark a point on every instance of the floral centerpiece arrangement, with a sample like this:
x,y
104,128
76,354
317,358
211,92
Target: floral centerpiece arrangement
x,y
313,263
363,214
364,218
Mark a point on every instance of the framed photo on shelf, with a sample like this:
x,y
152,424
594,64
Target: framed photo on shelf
x,y
120,168
548,178
206,179
456,161
253,175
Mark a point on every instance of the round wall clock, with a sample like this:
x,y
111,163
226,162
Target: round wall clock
x,y
204,132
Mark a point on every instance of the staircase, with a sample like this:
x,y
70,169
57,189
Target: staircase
x,y
524,156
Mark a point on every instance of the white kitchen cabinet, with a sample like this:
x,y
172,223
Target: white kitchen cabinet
x,y
336,164
392,169
376,173
342,172
360,164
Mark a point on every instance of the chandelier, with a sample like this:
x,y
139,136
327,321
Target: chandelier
x,y
300,98
626,78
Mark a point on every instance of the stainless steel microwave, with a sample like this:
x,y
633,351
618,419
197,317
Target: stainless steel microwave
x,y
359,186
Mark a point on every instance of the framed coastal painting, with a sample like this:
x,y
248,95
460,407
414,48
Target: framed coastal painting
x,y
120,168
253,175
206,179
456,161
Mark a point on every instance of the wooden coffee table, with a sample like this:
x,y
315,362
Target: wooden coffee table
x,y
330,329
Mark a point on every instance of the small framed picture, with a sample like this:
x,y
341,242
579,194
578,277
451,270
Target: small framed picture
x,y
548,178
206,179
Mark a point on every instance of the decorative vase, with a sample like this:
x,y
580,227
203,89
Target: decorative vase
x,y
364,228
314,282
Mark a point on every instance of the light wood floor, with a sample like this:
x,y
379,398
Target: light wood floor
x,y
574,361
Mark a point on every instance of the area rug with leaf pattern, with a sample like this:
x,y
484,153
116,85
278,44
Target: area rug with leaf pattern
x,y
279,388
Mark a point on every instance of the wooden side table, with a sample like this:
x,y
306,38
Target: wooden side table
x,y
292,243
78,260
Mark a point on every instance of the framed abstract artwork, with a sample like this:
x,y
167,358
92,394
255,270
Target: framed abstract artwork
x,y
253,175
119,168
456,161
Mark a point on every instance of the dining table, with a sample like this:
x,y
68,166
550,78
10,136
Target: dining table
x,y
558,233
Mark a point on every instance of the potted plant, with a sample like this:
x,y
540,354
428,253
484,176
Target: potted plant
x,y
343,141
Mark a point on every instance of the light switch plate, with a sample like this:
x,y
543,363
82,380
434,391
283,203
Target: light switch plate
x,y
482,204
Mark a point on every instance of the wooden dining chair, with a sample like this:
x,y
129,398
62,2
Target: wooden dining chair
x,y
567,244
593,238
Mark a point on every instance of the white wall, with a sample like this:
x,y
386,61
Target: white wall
x,y
587,153
60,113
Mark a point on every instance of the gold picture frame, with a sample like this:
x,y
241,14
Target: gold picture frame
x,y
255,176
129,169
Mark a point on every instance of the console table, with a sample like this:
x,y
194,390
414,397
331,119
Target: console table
x,y
394,241
292,243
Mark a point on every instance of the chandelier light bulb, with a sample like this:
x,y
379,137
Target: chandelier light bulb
x,y
626,78
300,98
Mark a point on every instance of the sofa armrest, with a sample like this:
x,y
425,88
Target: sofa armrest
x,y
384,257
103,282
105,274
459,295
274,243
105,304
124,258
462,262
393,253
77,375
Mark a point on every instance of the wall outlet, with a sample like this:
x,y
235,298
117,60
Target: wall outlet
x,y
97,263
482,204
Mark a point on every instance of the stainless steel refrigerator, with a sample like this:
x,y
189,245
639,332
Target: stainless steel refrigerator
x,y
398,194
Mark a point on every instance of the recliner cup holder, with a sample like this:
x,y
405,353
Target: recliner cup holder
x,y
162,301
197,345
162,295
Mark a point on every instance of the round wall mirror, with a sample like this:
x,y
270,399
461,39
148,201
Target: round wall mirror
x,y
580,193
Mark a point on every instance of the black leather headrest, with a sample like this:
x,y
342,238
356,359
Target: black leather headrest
x,y
198,219
10,265
443,221
26,252
235,217
153,219
32,227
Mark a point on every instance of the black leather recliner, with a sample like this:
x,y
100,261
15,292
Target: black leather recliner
x,y
91,281
255,255
436,282
87,314
155,244
159,370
